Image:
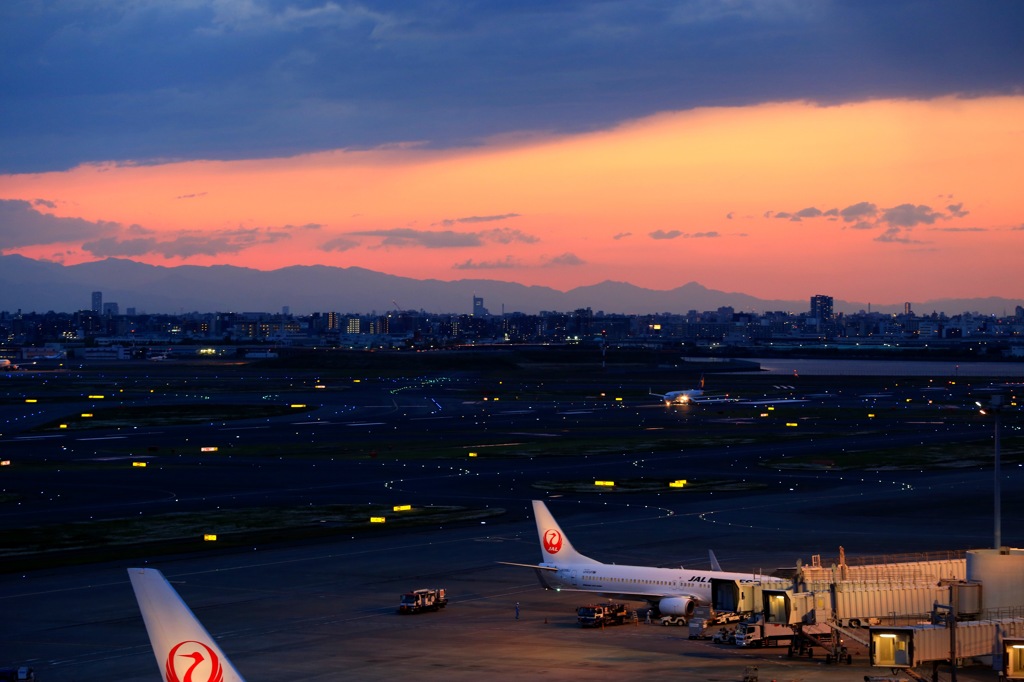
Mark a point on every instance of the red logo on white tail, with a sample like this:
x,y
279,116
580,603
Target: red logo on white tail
x,y
552,541
199,662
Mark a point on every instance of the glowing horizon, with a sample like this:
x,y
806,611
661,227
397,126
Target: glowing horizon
x,y
884,200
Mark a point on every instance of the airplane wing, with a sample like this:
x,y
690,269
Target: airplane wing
x,y
537,566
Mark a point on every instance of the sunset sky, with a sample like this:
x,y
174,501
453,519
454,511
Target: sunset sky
x,y
872,151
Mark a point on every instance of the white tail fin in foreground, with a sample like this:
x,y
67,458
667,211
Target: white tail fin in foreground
x,y
555,548
184,650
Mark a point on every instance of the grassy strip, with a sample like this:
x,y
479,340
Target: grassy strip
x,y
183,532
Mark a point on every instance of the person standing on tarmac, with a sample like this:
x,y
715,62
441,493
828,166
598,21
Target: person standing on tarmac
x,y
517,610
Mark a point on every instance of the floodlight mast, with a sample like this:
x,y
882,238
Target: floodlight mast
x,y
995,407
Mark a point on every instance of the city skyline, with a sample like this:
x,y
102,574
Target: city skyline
x,y
871,151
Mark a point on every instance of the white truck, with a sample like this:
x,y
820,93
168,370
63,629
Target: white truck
x,y
599,615
425,599
759,633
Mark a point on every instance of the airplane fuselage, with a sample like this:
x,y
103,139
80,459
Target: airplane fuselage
x,y
638,582
682,397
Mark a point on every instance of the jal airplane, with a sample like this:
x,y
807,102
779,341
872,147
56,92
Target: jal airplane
x,y
689,395
184,650
670,591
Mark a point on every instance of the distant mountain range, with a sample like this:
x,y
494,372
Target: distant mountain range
x,y
41,286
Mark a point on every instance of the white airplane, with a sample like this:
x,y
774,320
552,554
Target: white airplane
x,y
688,395
184,650
670,591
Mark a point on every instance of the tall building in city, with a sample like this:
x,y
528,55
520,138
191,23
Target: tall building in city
x,y
478,307
821,308
97,302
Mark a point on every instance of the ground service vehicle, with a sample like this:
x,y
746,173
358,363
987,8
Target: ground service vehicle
x,y
20,674
422,600
764,634
596,615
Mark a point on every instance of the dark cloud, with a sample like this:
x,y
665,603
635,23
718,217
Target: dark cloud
x,y
957,210
339,244
564,259
44,202
858,213
197,195
503,264
909,215
504,235
807,213
431,239
677,234
21,225
152,80
448,222
895,222
185,245
622,235
444,239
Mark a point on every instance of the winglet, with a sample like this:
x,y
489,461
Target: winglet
x,y
183,648
715,566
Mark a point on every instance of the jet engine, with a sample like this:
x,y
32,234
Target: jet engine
x,y
677,606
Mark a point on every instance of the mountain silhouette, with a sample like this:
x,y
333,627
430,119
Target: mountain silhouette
x,y
41,286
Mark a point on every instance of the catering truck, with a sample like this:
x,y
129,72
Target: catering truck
x,y
759,633
418,601
598,615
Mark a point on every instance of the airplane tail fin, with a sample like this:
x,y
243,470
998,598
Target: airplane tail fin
x,y
715,566
555,547
183,648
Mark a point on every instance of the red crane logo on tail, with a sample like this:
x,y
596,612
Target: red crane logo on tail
x,y
552,541
199,662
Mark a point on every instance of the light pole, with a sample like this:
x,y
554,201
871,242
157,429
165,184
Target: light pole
x,y
994,406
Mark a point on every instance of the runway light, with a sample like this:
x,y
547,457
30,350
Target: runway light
x,y
209,448
138,464
86,415
63,426
377,519
472,454
210,537
31,400
791,424
871,415
607,484
96,397
298,405
319,386
677,484
5,462
402,507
